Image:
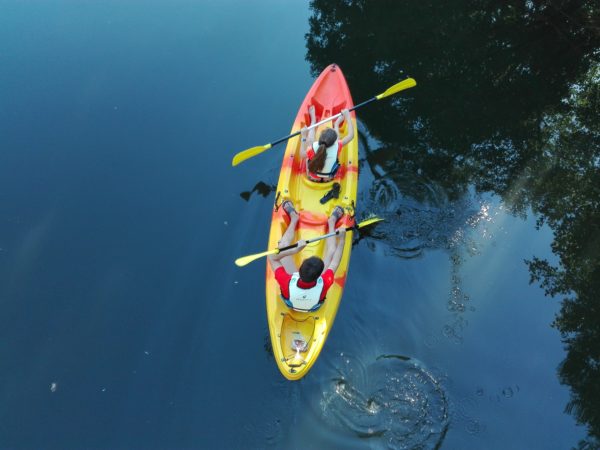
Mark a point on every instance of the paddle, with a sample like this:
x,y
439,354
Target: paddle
x,y
245,260
253,151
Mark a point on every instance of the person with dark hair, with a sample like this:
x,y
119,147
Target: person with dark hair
x,y
323,155
305,288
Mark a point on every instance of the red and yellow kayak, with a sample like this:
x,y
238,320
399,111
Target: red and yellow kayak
x,y
329,94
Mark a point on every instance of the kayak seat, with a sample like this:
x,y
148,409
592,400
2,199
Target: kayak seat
x,y
316,185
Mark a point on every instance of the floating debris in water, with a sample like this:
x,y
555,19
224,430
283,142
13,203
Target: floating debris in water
x,y
508,392
53,387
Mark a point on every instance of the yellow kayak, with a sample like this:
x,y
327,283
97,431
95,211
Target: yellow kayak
x,y
298,337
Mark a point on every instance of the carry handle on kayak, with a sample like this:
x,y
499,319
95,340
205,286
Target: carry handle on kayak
x,y
245,260
253,151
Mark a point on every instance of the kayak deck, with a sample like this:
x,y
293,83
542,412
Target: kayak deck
x,y
298,337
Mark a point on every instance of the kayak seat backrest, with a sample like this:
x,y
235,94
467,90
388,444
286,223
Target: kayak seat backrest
x,y
322,111
319,109
338,108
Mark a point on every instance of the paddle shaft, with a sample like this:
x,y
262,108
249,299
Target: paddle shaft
x,y
308,241
289,136
248,259
253,151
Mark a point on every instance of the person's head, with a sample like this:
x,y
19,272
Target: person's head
x,y
311,269
327,138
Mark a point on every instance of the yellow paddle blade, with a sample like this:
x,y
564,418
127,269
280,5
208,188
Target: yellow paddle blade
x,y
245,260
249,153
406,84
369,221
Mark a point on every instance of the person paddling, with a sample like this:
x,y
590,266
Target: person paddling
x,y
323,156
305,288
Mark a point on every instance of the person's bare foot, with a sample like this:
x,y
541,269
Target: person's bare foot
x,y
336,214
288,207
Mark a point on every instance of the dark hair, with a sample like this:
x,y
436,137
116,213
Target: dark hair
x,y
327,139
311,269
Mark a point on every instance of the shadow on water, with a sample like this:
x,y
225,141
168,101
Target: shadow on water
x,y
261,188
510,109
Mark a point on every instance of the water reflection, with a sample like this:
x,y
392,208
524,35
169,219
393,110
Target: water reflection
x,y
572,209
420,216
509,104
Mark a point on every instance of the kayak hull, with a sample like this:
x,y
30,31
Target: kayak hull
x,y
297,338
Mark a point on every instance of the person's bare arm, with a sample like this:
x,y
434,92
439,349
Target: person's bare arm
x,y
338,121
308,136
304,142
349,126
313,120
275,259
339,249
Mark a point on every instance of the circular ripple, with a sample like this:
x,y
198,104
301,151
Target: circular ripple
x,y
392,400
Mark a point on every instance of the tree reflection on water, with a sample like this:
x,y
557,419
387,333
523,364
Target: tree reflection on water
x,y
509,104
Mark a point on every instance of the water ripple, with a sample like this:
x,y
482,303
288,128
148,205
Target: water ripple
x,y
420,216
393,401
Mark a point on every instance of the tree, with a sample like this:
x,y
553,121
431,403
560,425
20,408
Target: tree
x,y
507,102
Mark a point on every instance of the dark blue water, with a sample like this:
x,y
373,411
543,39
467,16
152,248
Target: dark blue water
x,y
123,320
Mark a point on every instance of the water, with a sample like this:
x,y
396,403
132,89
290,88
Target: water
x,y
124,322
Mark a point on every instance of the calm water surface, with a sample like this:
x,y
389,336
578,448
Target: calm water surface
x,y
124,322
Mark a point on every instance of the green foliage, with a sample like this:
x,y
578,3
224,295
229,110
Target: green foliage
x,y
508,101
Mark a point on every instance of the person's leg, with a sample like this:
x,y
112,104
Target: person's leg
x,y
288,237
331,242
